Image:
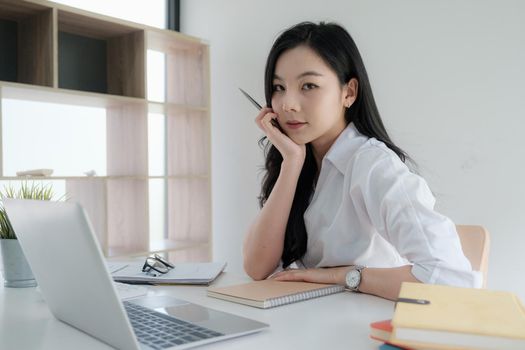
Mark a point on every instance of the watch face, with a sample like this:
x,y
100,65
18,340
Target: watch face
x,y
353,278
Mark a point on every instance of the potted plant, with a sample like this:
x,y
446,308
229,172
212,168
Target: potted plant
x,y
17,272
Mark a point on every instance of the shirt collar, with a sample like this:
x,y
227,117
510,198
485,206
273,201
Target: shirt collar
x,y
343,148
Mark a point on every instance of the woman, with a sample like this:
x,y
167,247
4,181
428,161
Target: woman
x,y
338,199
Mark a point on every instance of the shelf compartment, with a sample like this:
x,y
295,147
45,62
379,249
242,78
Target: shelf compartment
x,y
189,210
127,140
1,137
82,147
82,63
188,143
128,225
26,43
116,210
8,50
189,76
99,56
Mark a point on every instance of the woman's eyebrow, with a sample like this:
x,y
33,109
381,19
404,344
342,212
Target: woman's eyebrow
x,y
310,72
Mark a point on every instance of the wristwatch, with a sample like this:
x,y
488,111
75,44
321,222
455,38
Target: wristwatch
x,y
353,278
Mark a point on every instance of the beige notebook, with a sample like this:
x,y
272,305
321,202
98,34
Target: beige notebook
x,y
270,293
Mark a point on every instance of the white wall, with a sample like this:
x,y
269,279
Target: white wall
x,y
448,77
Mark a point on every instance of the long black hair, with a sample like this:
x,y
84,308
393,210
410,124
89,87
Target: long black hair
x,y
339,51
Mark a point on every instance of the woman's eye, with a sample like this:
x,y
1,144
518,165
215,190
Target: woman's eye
x,y
309,86
278,88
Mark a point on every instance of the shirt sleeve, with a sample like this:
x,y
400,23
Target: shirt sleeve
x,y
400,206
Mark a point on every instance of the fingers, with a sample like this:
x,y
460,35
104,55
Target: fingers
x,y
268,123
264,120
262,113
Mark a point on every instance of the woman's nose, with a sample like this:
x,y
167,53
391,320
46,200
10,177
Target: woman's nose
x,y
290,104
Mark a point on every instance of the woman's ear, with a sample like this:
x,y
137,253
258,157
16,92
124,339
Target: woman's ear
x,y
350,92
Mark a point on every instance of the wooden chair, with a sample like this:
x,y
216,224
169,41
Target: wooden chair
x,y
475,241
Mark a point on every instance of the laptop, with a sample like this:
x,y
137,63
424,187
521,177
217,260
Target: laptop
x,y
67,262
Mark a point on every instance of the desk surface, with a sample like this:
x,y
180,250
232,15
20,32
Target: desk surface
x,y
339,321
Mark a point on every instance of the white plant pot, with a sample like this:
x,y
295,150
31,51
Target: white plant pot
x,y
17,273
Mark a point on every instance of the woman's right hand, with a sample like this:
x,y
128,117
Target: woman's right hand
x,y
290,151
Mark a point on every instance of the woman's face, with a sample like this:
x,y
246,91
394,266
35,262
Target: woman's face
x,y
308,98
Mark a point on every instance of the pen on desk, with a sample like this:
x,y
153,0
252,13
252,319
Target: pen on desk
x,y
413,301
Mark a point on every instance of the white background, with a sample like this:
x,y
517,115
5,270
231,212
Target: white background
x,y
448,77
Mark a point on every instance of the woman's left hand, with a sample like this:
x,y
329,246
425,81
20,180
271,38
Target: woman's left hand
x,y
331,275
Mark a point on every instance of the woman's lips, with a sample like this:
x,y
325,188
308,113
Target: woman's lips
x,y
295,125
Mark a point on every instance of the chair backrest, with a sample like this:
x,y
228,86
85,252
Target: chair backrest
x,y
475,241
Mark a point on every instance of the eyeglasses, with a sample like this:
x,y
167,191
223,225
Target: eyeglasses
x,y
156,263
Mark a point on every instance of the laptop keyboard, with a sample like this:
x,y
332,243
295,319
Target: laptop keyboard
x,y
161,331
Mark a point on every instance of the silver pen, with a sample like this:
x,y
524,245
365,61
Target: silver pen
x,y
256,104
252,100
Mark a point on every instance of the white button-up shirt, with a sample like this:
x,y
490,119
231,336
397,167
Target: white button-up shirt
x,y
369,209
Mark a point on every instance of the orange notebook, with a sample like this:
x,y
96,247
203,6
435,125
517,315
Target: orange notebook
x,y
382,330
270,293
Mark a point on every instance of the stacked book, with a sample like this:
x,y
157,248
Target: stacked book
x,y
441,318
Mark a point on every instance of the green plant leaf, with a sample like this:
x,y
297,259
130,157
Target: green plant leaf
x,y
37,191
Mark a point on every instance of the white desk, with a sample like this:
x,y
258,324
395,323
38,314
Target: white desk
x,y
339,321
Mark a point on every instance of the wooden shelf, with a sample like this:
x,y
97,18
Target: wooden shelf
x,y
96,55
91,26
18,91
28,92
15,10
115,177
164,108
189,202
27,37
169,41
190,144
53,53
189,83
